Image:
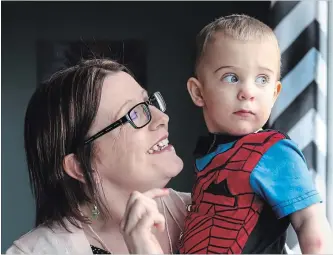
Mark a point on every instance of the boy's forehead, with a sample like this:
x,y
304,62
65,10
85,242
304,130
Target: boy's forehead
x,y
224,50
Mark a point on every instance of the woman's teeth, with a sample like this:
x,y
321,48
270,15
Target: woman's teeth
x,y
159,146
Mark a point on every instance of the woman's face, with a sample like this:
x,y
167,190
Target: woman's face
x,y
125,157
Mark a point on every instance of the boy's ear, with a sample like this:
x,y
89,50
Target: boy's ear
x,y
277,90
194,88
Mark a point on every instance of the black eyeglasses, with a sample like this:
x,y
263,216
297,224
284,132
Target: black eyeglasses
x,y
138,116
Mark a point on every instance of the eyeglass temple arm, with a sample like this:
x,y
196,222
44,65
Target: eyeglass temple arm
x,y
106,130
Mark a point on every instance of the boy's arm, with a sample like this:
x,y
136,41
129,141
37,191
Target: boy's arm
x,y
283,180
312,229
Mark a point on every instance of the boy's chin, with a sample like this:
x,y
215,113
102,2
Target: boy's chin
x,y
235,128
243,131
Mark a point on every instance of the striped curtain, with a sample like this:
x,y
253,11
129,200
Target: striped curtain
x,y
300,111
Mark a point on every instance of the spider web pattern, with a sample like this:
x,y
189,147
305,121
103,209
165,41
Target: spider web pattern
x,y
225,209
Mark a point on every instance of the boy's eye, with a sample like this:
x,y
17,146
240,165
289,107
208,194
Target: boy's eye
x,y
230,78
262,80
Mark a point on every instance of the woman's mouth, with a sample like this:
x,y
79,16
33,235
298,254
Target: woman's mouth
x,y
160,146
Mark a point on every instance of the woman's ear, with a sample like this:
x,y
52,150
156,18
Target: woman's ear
x,y
194,88
72,167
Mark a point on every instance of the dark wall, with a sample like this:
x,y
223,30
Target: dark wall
x,y
167,28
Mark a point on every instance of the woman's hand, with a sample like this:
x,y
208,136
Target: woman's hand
x,y
141,215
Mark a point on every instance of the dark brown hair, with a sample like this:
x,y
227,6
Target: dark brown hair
x,y
57,120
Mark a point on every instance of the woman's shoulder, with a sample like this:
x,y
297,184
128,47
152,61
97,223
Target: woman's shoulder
x,y
178,201
31,241
183,197
51,240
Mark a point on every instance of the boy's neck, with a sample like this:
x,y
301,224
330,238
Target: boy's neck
x,y
227,134
208,143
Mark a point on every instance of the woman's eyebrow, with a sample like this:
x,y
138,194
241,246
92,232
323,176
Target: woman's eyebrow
x,y
143,92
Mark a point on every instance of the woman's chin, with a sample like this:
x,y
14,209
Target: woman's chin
x,y
172,167
175,167
166,163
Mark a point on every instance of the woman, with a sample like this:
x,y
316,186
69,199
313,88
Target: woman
x,y
98,155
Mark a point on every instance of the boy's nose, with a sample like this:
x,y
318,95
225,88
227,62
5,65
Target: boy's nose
x,y
246,92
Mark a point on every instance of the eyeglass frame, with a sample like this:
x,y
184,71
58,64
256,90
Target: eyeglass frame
x,y
125,119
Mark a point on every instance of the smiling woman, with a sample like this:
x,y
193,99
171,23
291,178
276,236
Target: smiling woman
x,y
98,159
138,116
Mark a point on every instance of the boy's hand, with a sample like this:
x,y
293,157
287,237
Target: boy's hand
x,y
313,230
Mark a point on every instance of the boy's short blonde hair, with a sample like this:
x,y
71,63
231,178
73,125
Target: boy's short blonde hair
x,y
236,26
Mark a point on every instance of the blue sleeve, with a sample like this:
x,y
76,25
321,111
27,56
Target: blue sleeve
x,y
283,180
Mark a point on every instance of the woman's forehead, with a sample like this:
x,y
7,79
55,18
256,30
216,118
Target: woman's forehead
x,y
120,89
120,86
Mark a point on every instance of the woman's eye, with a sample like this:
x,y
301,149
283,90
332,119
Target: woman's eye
x,y
134,115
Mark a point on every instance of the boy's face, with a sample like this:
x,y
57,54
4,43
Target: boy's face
x,y
237,84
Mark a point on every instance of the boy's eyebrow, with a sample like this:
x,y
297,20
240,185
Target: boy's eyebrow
x,y
267,69
222,67
260,67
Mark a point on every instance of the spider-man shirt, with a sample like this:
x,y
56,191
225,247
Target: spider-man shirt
x,y
244,190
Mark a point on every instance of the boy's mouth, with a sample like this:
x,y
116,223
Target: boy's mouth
x,y
244,113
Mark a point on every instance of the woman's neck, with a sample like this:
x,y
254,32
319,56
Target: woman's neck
x,y
115,200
